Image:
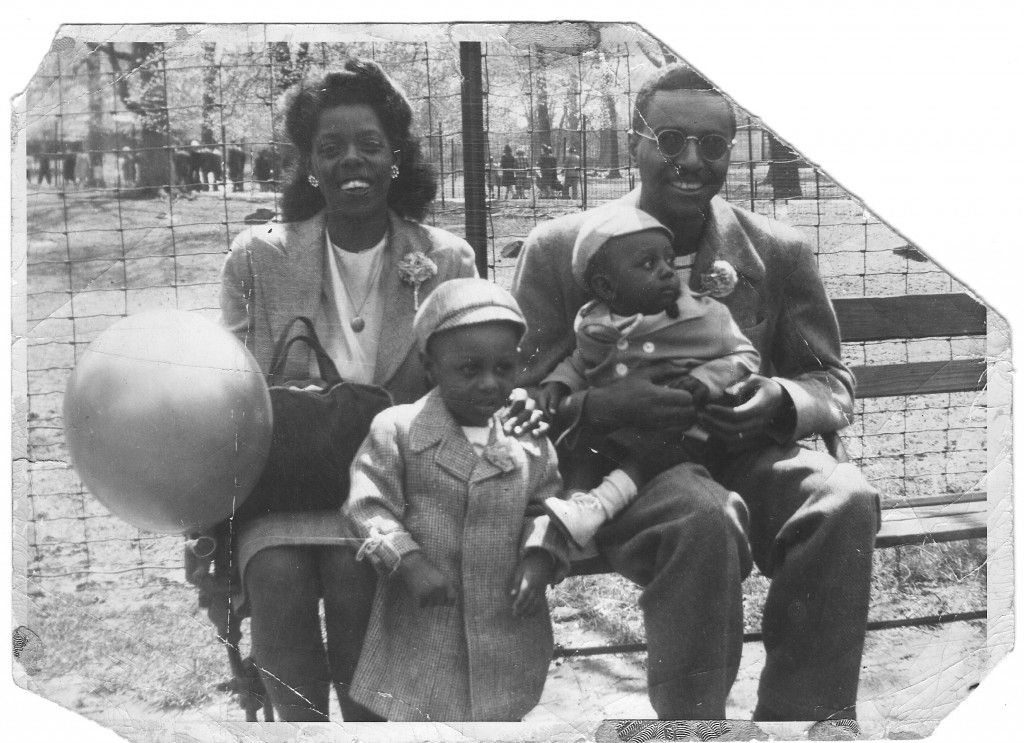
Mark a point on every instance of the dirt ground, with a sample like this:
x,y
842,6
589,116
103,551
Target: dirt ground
x,y
912,678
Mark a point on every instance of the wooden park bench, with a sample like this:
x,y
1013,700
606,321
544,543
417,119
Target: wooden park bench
x,y
943,517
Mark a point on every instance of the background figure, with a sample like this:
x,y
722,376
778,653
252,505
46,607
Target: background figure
x,y
83,170
264,168
68,160
44,169
508,171
523,174
127,166
491,175
182,178
571,173
548,166
236,167
211,164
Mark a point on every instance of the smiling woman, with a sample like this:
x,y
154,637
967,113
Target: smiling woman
x,y
350,225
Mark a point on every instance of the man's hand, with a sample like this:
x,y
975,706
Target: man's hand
x,y
760,401
425,582
523,415
639,399
531,579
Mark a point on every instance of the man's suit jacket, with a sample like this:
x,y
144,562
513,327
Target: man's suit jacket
x,y
779,303
275,272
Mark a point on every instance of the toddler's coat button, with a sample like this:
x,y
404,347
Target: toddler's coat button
x,y
648,347
622,345
621,370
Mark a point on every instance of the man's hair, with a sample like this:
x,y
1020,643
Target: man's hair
x,y
358,82
671,77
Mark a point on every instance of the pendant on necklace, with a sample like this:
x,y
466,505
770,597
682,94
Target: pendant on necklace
x,y
358,324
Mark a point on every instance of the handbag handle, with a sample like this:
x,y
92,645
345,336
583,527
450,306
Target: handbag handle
x,y
328,369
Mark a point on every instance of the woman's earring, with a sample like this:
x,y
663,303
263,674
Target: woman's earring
x,y
394,172
313,181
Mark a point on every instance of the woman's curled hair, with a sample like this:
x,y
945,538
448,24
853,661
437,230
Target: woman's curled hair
x,y
359,82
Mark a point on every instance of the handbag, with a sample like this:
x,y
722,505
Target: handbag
x,y
319,426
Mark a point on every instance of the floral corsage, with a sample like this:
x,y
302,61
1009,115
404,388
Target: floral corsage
x,y
500,454
719,280
414,269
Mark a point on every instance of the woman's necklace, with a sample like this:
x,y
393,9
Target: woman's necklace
x,y
357,322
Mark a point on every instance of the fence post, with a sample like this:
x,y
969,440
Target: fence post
x,y
473,154
583,160
440,160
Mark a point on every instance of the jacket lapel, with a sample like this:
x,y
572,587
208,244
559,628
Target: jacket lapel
x,y
434,426
725,239
396,339
292,275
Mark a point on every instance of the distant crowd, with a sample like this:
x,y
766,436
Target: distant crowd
x,y
194,167
516,175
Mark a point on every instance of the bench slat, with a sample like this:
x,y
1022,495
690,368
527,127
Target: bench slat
x,y
905,526
917,316
920,378
931,519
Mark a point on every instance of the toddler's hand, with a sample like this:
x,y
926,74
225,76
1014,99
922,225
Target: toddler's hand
x,y
530,582
425,582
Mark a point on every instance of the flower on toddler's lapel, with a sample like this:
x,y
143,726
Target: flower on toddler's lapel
x,y
719,280
414,269
500,454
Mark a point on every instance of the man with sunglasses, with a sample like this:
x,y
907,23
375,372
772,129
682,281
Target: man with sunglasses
x,y
813,520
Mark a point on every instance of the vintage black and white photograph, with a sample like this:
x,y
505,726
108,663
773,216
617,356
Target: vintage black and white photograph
x,y
484,381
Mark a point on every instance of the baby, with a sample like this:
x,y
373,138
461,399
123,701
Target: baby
x,y
641,315
451,511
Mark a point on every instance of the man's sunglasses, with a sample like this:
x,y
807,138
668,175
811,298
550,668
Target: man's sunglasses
x,y
672,143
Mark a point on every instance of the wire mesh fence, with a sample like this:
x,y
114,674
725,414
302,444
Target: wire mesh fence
x,y
144,159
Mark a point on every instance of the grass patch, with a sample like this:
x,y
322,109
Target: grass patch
x,y
906,582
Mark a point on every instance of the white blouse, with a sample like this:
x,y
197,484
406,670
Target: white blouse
x,y
351,289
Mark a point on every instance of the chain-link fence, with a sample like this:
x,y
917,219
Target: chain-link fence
x,y
145,158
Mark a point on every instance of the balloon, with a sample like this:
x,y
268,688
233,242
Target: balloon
x,y
168,421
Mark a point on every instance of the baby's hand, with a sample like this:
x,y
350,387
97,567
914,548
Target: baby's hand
x,y
550,396
530,582
522,416
697,389
425,582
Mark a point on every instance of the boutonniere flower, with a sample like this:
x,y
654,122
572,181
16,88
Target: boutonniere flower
x,y
414,269
719,280
500,454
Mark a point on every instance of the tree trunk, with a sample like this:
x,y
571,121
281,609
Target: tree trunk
x,y
572,111
209,124
610,138
94,137
151,106
541,95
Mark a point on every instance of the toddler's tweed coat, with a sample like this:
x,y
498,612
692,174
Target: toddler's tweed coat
x,y
418,484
